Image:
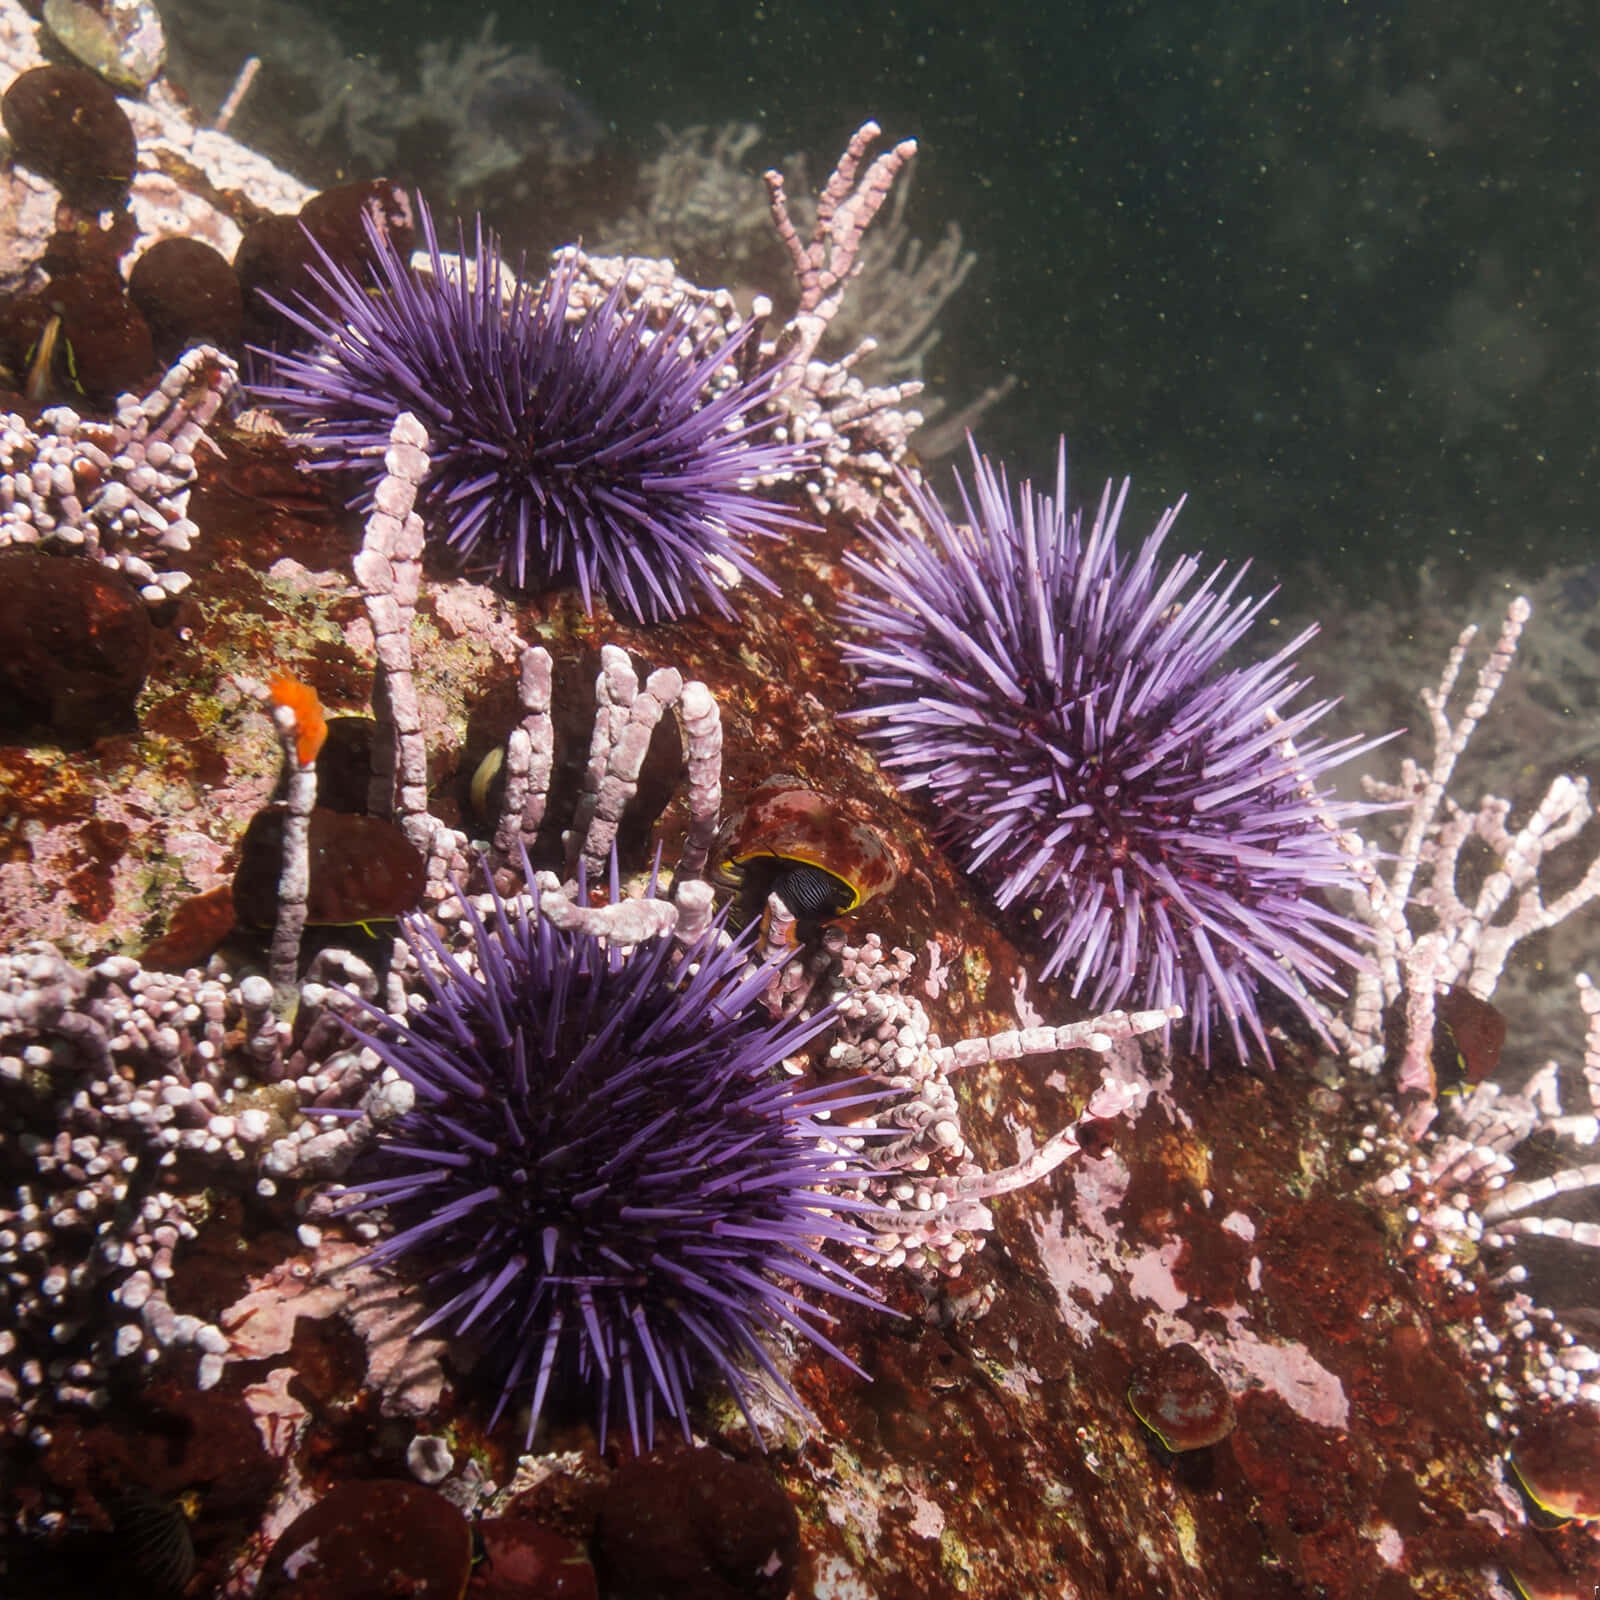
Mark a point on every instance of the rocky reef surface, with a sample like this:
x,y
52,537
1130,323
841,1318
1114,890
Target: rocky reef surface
x,y
192,1356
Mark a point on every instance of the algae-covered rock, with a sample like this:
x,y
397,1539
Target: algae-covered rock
x,y
122,40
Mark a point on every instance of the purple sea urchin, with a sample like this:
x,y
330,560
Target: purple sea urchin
x,y
1066,709
605,451
602,1172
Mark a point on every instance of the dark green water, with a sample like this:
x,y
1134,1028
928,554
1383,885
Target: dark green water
x,y
1328,267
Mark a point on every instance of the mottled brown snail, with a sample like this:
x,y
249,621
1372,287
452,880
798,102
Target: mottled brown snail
x,y
823,857
1178,1396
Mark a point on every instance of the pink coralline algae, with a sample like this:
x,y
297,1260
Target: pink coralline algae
x,y
118,491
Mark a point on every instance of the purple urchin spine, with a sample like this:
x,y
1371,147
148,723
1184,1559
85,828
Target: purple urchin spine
x,y
606,1178
1093,763
603,451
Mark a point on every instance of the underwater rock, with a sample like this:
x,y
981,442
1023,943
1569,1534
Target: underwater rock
x,y
78,645
122,40
66,124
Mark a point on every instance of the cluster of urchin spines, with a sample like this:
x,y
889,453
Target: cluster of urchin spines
x,y
604,1173
1068,711
612,450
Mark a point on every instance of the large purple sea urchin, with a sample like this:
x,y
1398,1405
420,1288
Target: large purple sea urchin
x,y
1065,707
602,450
603,1178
